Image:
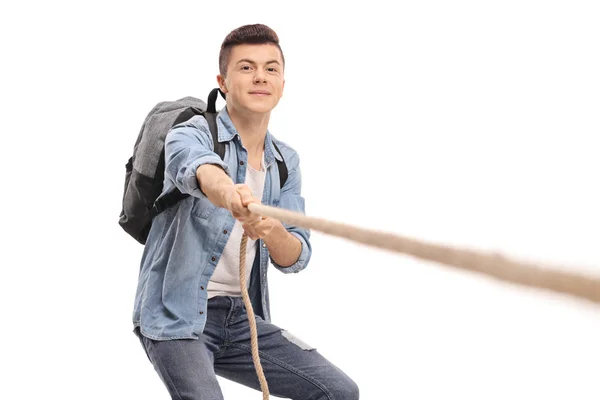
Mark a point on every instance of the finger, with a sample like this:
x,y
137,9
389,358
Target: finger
x,y
254,220
245,195
252,234
249,228
246,217
239,211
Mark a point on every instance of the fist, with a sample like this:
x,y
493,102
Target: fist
x,y
259,229
237,199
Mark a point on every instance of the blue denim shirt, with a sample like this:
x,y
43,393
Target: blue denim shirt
x,y
186,241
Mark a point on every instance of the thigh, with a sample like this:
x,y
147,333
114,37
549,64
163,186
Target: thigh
x,y
185,367
293,369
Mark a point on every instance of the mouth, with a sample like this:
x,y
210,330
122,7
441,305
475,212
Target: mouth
x,y
260,93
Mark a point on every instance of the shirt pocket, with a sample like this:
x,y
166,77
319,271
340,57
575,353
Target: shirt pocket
x,y
203,207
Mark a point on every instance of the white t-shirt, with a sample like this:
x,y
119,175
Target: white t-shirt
x,y
225,281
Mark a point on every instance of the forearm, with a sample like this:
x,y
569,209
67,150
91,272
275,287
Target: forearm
x,y
214,183
283,247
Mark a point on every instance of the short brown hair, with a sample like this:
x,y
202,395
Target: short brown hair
x,y
247,34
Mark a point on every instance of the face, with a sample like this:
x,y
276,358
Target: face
x,y
254,81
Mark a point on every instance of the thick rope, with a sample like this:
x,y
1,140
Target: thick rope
x,y
490,264
253,335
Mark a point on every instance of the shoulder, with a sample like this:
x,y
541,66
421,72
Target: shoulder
x,y
195,127
289,154
197,122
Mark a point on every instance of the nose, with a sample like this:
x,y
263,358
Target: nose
x,y
260,76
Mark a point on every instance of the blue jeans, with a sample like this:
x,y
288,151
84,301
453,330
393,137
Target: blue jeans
x,y
188,367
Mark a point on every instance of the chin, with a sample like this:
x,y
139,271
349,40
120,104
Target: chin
x,y
260,104
260,108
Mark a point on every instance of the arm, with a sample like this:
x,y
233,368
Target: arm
x,y
289,246
222,192
197,170
187,148
284,248
215,183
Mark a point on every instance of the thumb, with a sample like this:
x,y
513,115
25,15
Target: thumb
x,y
245,196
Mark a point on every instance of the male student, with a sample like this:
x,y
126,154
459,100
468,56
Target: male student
x,y
189,313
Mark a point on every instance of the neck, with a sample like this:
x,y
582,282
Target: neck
x,y
251,127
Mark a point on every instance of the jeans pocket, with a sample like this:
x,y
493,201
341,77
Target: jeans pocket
x,y
138,333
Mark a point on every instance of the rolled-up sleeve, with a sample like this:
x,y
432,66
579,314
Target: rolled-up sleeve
x,y
291,199
187,147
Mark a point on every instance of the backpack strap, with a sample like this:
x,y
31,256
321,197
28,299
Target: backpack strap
x,y
283,171
212,100
211,117
218,147
167,201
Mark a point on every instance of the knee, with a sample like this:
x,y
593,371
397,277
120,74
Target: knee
x,y
345,389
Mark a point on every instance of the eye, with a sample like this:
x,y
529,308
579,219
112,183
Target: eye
x,y
272,69
245,68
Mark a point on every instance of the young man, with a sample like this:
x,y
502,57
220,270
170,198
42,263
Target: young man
x,y
189,314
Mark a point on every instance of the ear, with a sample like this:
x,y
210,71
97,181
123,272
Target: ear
x,y
222,83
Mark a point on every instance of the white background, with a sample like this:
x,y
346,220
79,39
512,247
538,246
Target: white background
x,y
470,123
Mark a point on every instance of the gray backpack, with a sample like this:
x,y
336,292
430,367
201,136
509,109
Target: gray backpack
x,y
144,172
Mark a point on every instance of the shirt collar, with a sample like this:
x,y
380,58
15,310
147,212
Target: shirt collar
x,y
227,132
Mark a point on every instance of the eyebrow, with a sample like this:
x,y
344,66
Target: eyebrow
x,y
254,63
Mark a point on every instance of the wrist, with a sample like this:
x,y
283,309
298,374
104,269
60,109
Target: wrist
x,y
277,229
214,182
225,194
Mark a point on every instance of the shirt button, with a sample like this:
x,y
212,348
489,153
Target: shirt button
x,y
201,287
214,258
264,245
225,231
241,163
201,312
